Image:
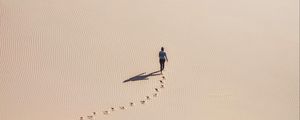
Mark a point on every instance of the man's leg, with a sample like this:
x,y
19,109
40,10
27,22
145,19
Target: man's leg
x,y
161,65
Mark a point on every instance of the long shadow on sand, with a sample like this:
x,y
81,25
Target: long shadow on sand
x,y
143,76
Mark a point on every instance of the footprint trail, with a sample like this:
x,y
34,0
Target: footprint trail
x,y
130,103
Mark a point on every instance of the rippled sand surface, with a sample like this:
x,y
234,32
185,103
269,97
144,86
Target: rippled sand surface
x,y
228,60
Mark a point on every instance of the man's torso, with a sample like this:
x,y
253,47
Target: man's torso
x,y
162,55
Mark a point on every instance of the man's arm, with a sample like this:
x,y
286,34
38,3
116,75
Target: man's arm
x,y
166,57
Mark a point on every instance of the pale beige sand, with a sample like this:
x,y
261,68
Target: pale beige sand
x,y
229,60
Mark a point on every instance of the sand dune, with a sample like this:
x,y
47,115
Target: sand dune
x,y
228,60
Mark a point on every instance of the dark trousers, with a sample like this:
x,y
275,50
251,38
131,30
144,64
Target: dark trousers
x,y
162,64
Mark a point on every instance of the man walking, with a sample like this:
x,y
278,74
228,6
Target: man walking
x,y
162,58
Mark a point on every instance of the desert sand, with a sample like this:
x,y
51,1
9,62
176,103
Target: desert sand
x,y
228,60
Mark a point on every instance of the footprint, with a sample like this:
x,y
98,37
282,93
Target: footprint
x,y
155,95
112,109
131,104
81,118
90,117
122,107
162,86
147,97
156,90
94,113
105,112
161,82
143,102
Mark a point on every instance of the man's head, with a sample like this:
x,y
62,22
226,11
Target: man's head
x,y
162,48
